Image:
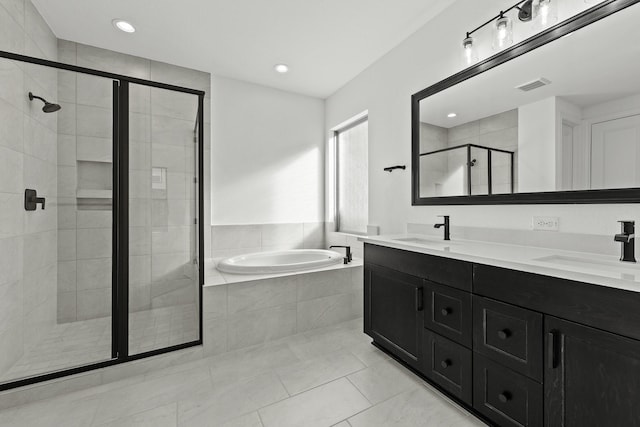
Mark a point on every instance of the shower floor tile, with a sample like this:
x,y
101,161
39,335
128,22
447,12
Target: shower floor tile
x,y
89,341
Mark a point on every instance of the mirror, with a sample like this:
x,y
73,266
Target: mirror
x,y
558,124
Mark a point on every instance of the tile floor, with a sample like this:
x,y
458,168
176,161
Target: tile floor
x,y
327,377
89,341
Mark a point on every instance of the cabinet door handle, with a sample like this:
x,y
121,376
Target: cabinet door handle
x,y
504,334
446,311
552,349
419,298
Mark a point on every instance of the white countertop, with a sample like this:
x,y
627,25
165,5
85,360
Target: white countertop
x,y
603,270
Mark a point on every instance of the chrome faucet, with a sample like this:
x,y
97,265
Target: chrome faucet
x,y
349,257
628,239
445,224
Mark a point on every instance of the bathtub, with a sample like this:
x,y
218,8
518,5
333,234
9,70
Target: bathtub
x,y
279,261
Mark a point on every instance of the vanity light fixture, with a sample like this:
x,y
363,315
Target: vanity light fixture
x,y
123,25
543,13
281,68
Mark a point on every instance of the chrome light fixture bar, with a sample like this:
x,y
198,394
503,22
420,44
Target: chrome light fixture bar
x,y
502,25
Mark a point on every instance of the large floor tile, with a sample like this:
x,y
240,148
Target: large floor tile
x,y
230,401
323,406
247,363
249,420
162,416
418,407
314,372
146,395
383,380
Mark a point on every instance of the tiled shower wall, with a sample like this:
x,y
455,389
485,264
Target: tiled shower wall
x,y
28,253
161,222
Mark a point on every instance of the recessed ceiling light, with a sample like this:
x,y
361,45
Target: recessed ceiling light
x,y
281,68
452,115
123,26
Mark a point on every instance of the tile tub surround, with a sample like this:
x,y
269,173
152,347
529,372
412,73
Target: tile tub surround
x,y
331,376
245,310
28,138
230,240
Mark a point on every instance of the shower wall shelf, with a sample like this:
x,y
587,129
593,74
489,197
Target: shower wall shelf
x,y
471,162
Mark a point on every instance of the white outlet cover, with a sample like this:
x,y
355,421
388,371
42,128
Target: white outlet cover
x,y
546,223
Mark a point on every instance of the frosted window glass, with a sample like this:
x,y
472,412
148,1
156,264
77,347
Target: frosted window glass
x,y
353,190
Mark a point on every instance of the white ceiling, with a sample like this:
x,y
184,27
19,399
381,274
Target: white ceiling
x,y
596,64
325,42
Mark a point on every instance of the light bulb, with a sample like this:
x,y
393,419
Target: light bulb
x,y
470,53
502,33
545,14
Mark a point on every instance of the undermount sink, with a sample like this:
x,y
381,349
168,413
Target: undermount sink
x,y
605,267
425,242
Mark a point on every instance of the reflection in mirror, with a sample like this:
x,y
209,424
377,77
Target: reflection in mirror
x,y
565,116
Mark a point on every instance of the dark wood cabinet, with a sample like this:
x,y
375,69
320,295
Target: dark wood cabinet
x,y
504,396
394,308
514,348
509,335
448,312
592,378
448,364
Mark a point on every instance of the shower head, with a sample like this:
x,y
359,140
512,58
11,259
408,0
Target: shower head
x,y
48,107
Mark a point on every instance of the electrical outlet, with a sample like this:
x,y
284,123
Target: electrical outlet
x,y
546,223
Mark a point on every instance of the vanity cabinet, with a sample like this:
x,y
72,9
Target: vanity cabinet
x,y
592,377
395,309
514,348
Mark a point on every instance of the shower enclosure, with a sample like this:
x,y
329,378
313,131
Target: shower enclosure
x,y
101,237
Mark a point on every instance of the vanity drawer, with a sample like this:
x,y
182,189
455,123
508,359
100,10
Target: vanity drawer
x,y
450,272
448,312
504,396
510,335
448,364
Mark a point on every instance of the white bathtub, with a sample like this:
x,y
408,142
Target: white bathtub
x,y
279,261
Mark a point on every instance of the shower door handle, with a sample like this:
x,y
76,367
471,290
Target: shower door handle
x,y
31,200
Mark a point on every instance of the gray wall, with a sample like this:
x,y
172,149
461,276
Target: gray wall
x,y
28,158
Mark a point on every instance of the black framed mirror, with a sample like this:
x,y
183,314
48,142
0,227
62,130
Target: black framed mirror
x,y
553,119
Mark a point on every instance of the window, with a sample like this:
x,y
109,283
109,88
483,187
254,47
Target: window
x,y
352,190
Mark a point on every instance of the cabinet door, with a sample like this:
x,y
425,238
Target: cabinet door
x,y
592,378
394,312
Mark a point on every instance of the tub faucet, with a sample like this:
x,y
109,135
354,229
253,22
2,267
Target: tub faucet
x,y
348,258
445,224
628,239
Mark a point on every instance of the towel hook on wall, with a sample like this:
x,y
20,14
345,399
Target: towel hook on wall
x,y
391,168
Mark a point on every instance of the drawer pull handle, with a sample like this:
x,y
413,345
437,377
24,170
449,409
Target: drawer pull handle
x,y
446,363
504,397
504,334
446,311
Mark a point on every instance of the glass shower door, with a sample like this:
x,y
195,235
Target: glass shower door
x,y
163,251
56,181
